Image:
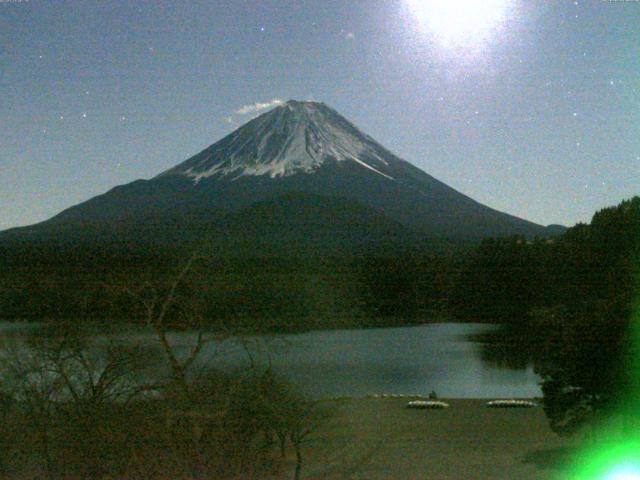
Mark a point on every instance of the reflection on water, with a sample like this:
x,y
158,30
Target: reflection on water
x,y
407,360
507,346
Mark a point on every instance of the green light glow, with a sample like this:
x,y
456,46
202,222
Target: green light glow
x,y
608,461
624,472
617,455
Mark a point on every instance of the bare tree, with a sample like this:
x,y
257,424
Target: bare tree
x,y
28,380
83,402
6,443
65,383
305,419
157,308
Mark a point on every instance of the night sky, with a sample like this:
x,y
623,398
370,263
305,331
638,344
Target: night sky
x,y
531,108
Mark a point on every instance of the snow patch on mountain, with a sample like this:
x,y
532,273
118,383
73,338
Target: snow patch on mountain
x,y
296,137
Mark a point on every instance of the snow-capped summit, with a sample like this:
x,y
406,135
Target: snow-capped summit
x,y
295,137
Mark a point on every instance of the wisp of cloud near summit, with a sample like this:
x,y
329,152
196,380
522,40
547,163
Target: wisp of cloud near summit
x,y
258,107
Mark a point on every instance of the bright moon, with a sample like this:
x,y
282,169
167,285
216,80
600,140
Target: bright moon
x,y
460,23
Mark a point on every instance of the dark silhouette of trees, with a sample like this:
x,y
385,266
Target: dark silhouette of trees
x,y
590,363
584,365
571,300
65,385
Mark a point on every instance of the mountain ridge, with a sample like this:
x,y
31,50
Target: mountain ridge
x,y
304,147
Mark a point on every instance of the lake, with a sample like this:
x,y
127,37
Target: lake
x,y
406,360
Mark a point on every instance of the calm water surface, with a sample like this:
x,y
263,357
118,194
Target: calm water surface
x,y
406,360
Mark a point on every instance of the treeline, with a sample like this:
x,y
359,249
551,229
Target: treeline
x,y
46,280
506,279
567,305
94,283
503,280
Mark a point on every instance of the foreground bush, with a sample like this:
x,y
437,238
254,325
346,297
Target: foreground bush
x,y
80,407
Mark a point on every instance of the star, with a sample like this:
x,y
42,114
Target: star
x,y
575,114
84,115
262,29
123,118
61,117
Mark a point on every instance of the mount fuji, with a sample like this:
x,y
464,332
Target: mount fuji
x,y
298,171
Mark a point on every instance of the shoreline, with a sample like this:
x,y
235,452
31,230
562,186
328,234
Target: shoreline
x,y
382,439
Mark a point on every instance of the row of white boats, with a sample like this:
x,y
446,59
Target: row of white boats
x,y
438,404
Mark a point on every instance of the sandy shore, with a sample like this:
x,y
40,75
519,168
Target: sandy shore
x,y
381,439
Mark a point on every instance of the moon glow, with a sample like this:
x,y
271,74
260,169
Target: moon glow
x,y
460,23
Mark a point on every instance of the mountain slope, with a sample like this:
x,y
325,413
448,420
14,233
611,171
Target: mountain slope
x,y
302,147
298,223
